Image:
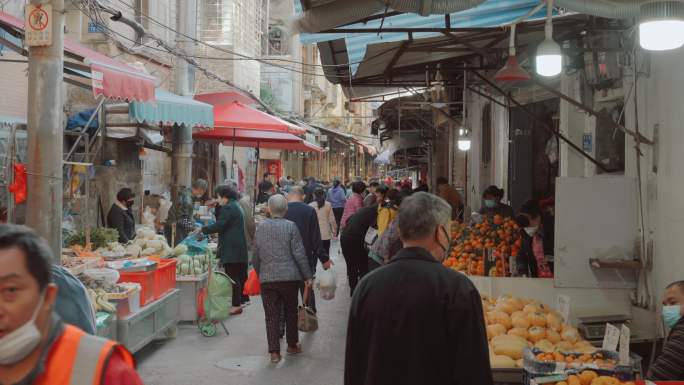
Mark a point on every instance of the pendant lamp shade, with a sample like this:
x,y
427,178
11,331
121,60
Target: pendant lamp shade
x,y
511,71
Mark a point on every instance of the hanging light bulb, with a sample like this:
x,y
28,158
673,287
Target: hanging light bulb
x,y
549,60
511,71
463,139
661,25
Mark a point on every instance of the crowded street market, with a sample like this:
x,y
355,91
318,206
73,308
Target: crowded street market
x,y
341,192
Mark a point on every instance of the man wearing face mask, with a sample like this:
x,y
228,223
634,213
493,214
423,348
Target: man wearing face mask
x,y
415,321
669,366
120,216
491,203
36,346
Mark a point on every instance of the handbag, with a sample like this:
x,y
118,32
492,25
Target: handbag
x,y
306,318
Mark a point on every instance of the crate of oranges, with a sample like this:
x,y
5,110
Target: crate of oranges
x,y
584,377
499,238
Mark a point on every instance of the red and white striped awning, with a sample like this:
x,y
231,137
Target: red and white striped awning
x,y
110,77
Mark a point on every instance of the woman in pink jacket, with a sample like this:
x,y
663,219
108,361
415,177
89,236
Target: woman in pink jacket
x,y
354,202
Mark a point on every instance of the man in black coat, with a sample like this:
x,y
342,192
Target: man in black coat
x,y
306,219
415,321
120,216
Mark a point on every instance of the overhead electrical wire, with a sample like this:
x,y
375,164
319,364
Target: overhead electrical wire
x,y
223,49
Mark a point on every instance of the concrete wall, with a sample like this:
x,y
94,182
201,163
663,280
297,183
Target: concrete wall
x,y
659,95
495,172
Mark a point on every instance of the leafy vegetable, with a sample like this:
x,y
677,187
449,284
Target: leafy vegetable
x,y
99,237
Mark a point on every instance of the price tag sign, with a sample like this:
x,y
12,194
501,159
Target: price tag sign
x,y
624,345
563,306
612,337
38,25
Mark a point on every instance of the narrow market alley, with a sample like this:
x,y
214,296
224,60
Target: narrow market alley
x,y
241,357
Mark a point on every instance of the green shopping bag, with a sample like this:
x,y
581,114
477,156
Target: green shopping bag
x,y
219,295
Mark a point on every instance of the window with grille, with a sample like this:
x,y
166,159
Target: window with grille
x,y
216,22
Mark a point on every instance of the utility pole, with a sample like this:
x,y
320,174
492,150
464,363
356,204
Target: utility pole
x,y
45,127
181,164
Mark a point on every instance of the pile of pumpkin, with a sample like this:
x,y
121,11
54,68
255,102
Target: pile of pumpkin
x,y
467,255
514,324
590,377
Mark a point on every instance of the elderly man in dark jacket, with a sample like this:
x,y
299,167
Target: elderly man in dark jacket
x,y
306,219
415,321
232,244
669,366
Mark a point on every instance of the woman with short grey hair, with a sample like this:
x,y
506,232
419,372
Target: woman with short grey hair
x,y
281,264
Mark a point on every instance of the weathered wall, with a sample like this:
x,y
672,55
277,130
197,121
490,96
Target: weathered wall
x,y
659,96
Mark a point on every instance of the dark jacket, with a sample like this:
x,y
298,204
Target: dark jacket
x,y
415,321
306,219
669,365
123,221
525,261
230,226
358,224
505,211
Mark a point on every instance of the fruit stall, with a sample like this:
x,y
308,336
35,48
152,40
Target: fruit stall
x,y
596,281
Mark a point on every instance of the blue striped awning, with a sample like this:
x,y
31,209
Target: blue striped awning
x,y
491,13
172,109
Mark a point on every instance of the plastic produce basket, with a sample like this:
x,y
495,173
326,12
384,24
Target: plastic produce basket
x,y
164,277
146,281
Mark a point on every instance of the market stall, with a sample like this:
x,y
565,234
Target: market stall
x,y
591,286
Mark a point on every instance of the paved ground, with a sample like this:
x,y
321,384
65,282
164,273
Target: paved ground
x,y
242,358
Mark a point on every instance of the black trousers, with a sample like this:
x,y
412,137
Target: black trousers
x,y
280,297
356,256
372,265
338,212
326,246
238,273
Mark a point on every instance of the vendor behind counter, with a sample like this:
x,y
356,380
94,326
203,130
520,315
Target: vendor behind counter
x,y
537,243
120,216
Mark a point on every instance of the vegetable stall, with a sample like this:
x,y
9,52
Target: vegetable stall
x,y
138,289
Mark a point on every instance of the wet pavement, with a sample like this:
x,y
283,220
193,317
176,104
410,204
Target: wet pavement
x,y
242,357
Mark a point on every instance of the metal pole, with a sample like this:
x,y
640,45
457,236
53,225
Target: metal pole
x,y
182,156
46,134
232,157
182,135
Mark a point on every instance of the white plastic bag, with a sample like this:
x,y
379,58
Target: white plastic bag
x,y
327,284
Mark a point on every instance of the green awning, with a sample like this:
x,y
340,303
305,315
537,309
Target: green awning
x,y
172,109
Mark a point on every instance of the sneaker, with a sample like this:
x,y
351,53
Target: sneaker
x,y
275,357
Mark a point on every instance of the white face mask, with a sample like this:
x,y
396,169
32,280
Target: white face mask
x,y
18,344
531,230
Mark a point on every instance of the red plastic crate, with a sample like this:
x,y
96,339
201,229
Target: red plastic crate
x,y
164,277
146,281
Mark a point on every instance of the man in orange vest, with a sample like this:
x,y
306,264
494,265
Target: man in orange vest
x,y
36,347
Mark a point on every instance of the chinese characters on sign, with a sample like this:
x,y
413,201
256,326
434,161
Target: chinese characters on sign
x,y
38,25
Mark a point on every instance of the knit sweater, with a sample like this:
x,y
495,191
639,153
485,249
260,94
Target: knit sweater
x,y
279,254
